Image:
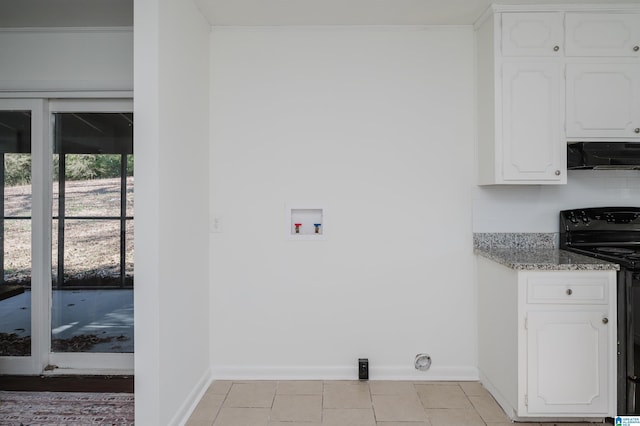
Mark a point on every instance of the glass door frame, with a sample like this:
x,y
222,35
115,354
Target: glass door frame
x,y
42,360
80,362
40,242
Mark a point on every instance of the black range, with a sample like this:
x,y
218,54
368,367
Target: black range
x,y
613,234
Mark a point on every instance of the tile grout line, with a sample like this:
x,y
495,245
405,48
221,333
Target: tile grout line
x,y
221,404
322,404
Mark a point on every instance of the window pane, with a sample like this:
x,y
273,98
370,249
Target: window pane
x,y
92,256
15,233
92,253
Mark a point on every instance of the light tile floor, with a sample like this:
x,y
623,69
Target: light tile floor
x,y
350,403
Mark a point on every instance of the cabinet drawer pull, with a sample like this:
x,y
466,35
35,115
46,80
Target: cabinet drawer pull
x,y
556,48
605,320
569,292
557,172
637,130
636,48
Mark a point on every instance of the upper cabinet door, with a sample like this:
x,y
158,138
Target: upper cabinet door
x,y
603,34
603,100
532,34
532,148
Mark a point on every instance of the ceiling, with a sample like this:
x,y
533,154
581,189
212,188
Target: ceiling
x,y
357,12
109,13
66,13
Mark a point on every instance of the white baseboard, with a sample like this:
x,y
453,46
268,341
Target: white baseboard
x,y
509,410
249,372
189,405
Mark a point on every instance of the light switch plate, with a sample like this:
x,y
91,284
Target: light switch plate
x,y
215,225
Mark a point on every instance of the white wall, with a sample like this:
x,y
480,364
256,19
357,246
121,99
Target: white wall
x,y
376,125
535,208
62,59
171,240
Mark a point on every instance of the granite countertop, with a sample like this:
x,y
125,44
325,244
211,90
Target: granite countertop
x,y
545,259
535,252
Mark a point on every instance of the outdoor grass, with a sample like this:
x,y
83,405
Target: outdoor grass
x,y
92,247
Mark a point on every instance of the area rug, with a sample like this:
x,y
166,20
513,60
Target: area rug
x,y
65,409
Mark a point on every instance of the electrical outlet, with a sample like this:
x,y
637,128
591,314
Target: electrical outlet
x,y
363,368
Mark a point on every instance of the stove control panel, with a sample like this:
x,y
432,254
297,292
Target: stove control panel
x,y
611,215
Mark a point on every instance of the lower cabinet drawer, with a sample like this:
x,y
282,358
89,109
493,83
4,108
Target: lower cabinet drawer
x,y
556,288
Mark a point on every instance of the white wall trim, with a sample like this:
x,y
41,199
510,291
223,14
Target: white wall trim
x,y
498,396
498,8
64,86
577,7
189,405
237,372
91,105
67,30
333,28
68,95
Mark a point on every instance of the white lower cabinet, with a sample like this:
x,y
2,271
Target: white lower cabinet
x,y
547,341
567,361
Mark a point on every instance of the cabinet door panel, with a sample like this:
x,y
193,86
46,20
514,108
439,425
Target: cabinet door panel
x,y
603,100
602,34
531,117
532,34
567,364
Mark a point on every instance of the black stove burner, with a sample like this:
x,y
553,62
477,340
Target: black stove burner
x,y
615,250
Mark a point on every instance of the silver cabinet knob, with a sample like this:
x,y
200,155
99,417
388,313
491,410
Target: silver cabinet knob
x,y
636,48
637,130
605,320
557,172
569,292
556,48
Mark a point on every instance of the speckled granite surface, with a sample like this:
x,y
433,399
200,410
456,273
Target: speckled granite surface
x,y
535,252
544,260
515,240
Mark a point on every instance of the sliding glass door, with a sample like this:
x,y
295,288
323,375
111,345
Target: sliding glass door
x,y
67,234
23,307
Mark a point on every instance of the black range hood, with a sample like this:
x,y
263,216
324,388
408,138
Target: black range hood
x,y
603,155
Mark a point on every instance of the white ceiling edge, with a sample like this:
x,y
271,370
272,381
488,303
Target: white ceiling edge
x,y
119,13
221,13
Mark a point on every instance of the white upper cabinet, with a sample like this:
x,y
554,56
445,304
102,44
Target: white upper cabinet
x,y
531,116
602,34
602,76
603,100
520,102
532,34
547,75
